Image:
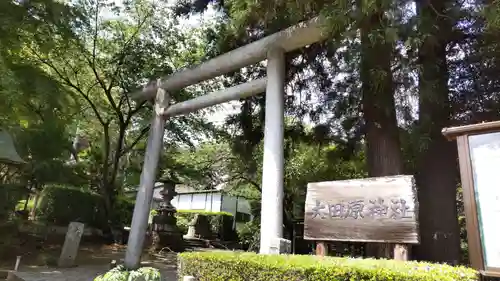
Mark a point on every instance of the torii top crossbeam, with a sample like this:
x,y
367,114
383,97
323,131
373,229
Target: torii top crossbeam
x,y
272,48
292,38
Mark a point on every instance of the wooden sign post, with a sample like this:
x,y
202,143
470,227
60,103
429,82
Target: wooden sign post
x,y
379,210
479,157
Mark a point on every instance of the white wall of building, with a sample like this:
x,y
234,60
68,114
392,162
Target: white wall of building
x,y
205,201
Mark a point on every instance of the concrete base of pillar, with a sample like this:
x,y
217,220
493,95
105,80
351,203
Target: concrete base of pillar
x,y
280,246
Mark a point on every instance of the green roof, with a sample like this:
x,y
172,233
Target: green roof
x,y
8,153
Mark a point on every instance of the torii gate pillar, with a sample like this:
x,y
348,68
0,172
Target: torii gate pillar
x,y
272,167
144,197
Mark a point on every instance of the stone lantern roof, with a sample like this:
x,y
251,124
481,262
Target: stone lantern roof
x,y
8,152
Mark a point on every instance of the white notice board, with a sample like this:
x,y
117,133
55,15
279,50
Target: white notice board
x,y
485,158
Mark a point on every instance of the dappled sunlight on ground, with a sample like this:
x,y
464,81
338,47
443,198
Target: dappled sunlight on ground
x,y
92,260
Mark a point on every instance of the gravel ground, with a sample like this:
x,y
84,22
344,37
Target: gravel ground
x,y
167,265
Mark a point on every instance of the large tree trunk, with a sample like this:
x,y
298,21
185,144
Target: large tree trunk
x,y
437,171
383,148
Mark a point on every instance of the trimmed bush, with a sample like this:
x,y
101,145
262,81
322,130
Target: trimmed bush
x,y
221,222
9,197
232,266
62,205
119,273
122,211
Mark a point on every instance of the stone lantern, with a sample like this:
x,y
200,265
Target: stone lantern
x,y
166,234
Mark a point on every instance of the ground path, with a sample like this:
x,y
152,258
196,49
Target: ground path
x,y
91,261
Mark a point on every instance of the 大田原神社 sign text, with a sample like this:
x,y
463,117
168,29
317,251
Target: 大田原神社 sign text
x,y
362,208
367,210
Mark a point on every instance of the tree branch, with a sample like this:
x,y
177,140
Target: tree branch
x,y
132,112
143,132
123,52
68,82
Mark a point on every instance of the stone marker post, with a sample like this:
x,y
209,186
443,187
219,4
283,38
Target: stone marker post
x,y
71,244
280,246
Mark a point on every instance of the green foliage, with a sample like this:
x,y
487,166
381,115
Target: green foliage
x,y
183,222
62,205
120,273
65,67
249,234
491,13
9,196
184,218
123,209
224,266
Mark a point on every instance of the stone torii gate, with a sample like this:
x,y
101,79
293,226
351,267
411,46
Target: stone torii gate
x,y
272,48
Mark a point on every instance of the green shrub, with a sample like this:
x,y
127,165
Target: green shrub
x,y
232,266
119,273
217,219
62,205
122,211
249,235
183,222
9,196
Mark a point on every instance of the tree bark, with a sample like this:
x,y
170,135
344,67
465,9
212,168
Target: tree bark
x,y
383,148
437,171
25,207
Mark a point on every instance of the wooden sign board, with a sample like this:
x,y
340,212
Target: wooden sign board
x,y
381,209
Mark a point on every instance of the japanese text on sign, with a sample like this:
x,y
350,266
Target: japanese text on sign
x,y
359,209
383,209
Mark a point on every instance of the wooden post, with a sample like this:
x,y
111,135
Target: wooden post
x,y
321,249
401,252
18,262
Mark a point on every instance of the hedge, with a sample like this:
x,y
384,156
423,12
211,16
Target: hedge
x,y
232,266
9,196
62,205
122,211
221,223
